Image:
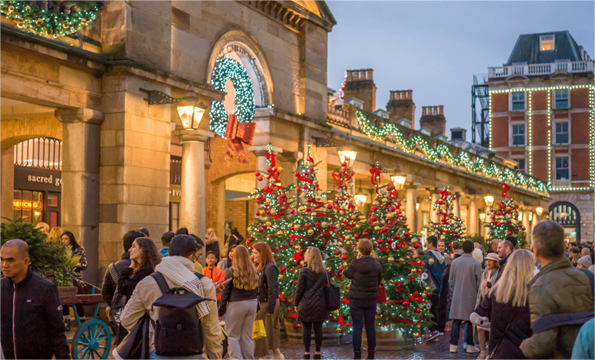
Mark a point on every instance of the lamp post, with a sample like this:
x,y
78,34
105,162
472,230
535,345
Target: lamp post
x,y
347,154
398,178
489,199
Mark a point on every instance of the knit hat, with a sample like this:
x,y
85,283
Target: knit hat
x,y
492,256
585,261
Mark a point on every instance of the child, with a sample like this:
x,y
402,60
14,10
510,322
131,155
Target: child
x,y
212,272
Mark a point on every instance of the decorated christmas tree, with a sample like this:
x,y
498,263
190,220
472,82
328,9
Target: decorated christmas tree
x,y
449,226
406,307
271,223
505,219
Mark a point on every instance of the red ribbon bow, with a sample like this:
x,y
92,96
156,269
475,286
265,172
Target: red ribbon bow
x,y
236,133
375,176
505,189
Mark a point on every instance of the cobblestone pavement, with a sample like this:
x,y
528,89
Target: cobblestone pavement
x,y
433,350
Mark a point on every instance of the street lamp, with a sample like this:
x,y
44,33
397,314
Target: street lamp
x,y
398,178
360,199
489,199
347,154
482,217
417,205
189,109
539,210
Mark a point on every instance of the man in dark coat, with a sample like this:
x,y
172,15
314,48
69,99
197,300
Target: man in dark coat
x,y
435,265
32,326
464,279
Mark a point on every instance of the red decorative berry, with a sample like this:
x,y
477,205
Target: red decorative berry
x,y
405,303
329,206
380,241
406,234
261,229
260,178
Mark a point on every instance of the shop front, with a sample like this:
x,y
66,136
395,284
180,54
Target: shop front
x,y
37,195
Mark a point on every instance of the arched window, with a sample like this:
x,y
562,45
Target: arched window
x,y
43,153
568,216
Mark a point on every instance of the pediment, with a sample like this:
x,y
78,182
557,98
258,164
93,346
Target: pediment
x,y
560,75
517,77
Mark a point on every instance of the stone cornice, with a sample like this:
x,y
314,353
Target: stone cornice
x,y
290,14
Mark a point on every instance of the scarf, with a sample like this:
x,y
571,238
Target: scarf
x,y
179,271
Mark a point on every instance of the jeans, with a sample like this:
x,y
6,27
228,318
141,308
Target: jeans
x,y
456,328
308,334
435,300
363,311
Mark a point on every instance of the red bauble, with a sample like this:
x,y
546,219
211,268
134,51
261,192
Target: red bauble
x,y
356,236
397,236
337,252
516,229
373,218
344,257
258,173
261,229
297,173
317,224
509,233
284,300
341,267
385,228
308,208
333,226
365,233
260,178
392,208
269,169
292,211
329,206
418,310
405,303
406,234
380,241
269,236
282,269
416,245
296,326
306,225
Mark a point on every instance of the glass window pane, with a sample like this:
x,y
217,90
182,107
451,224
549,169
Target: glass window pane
x,y
52,200
53,219
562,138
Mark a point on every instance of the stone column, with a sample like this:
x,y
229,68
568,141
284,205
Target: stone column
x,y
410,211
526,224
7,183
193,200
80,181
435,195
473,216
457,205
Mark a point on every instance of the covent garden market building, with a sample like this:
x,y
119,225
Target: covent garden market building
x,y
116,117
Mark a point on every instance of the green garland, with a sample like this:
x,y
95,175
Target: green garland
x,y
50,24
229,69
442,153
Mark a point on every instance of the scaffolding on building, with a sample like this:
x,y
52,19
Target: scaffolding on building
x,y
480,125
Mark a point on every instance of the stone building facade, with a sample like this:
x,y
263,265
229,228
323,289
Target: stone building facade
x,y
542,115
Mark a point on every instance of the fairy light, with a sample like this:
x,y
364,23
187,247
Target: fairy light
x,y
592,137
530,135
490,117
549,136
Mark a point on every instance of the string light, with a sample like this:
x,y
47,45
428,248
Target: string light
x,y
50,24
530,137
592,137
443,155
549,136
229,69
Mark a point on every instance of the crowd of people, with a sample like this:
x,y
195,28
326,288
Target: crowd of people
x,y
514,303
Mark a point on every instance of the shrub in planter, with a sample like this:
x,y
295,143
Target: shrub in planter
x,y
48,259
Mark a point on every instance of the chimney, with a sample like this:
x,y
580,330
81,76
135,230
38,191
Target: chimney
x,y
401,106
360,84
432,117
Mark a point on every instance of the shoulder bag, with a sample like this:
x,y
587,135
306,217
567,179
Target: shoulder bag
x,y
333,295
491,355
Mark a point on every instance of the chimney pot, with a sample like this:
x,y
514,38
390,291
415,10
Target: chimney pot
x,y
392,95
362,74
370,74
409,94
435,110
349,75
423,110
440,109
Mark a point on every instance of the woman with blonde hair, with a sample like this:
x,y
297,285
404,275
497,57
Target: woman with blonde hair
x,y
488,279
239,302
212,243
55,234
506,307
310,299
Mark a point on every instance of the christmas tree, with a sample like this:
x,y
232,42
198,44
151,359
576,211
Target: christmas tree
x,y
406,307
271,223
449,226
505,219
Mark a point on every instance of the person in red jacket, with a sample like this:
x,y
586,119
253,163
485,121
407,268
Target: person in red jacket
x,y
212,272
31,320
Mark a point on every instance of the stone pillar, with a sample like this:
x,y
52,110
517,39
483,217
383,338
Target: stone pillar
x,y
473,216
7,183
433,214
192,203
80,181
410,211
457,205
526,224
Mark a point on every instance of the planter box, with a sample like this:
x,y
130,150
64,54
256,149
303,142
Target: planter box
x,y
67,291
389,341
295,336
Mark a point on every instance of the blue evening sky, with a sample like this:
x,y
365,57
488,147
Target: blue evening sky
x,y
434,48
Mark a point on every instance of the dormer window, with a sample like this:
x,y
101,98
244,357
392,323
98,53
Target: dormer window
x,y
546,42
456,135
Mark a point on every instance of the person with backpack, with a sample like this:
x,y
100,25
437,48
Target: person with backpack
x,y
366,275
310,299
506,309
240,302
198,324
557,291
268,299
143,257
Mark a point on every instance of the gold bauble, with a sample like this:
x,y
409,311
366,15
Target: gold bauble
x,y
39,22
418,324
297,226
273,212
310,231
427,288
279,233
414,240
65,25
416,335
268,223
431,261
389,216
302,262
391,259
280,168
357,226
336,313
376,228
424,295
413,271
27,8
345,264
281,276
347,237
10,9
324,224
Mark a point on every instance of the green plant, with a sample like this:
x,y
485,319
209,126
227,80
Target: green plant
x,y
48,259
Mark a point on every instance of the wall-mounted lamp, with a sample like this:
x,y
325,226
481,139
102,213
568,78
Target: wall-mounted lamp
x,y
489,199
190,109
347,154
539,210
398,178
482,217
417,205
530,216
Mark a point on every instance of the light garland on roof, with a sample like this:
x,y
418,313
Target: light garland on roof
x,y
443,154
530,137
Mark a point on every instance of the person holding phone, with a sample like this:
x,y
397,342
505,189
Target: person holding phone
x,y
366,275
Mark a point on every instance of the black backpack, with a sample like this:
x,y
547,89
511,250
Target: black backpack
x,y
178,331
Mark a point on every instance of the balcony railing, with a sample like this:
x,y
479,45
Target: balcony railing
x,y
541,69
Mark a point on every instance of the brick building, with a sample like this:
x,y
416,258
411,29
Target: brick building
x,y
542,116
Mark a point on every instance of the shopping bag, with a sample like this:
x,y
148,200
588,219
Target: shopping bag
x,y
258,331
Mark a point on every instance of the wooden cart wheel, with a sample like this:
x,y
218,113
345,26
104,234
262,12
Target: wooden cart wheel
x,y
93,340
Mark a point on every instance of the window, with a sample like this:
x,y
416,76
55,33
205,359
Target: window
x,y
458,134
562,168
520,164
518,135
518,100
562,132
561,98
546,42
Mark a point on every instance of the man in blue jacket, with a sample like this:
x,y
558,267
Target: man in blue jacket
x,y
32,326
435,266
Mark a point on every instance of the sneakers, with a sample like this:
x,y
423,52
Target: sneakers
x,y
453,348
440,333
275,357
482,356
472,350
464,346
431,336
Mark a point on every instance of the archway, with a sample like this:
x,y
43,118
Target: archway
x,y
568,216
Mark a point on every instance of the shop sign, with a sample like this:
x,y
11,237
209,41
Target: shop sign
x,y
37,179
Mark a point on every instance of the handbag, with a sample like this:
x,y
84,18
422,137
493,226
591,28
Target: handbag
x,y
491,355
333,296
381,294
259,331
136,344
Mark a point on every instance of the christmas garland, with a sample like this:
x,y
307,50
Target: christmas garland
x,y
443,153
70,19
229,69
